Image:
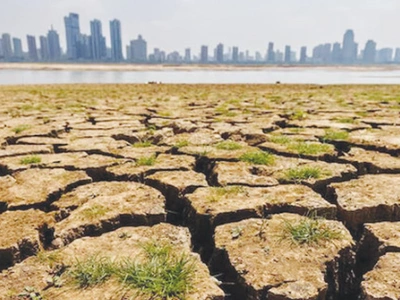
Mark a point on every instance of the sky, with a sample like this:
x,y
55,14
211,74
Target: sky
x,y
248,24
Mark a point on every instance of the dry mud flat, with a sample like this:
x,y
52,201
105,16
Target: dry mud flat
x,y
199,192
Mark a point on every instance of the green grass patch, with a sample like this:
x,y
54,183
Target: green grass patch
x,y
29,160
333,135
310,230
94,212
303,173
298,115
20,128
162,274
280,139
217,193
258,158
144,144
181,144
346,120
146,161
92,271
309,148
228,145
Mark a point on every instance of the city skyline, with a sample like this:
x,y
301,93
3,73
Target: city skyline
x,y
181,24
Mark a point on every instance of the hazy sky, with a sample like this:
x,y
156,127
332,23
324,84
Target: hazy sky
x,y
250,24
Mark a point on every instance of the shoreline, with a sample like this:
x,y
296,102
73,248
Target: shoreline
x,y
194,67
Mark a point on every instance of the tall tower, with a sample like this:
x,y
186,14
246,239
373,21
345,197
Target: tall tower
x,y
204,55
116,41
7,47
349,51
303,55
32,48
44,48
271,53
18,53
98,40
288,54
73,33
220,53
53,41
139,50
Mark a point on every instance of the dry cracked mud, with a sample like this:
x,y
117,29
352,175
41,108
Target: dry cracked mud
x,y
278,192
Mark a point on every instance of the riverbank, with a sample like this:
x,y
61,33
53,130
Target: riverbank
x,y
194,67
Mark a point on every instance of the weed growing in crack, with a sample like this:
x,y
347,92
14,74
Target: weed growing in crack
x,y
146,161
181,144
302,173
144,144
332,135
217,193
258,158
29,160
94,212
228,145
20,128
309,230
309,148
92,271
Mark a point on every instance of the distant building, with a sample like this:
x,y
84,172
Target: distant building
x,y
397,56
204,54
98,41
235,55
287,55
336,53
278,56
271,53
385,56
188,55
369,54
73,33
174,57
6,46
259,57
303,55
116,40
44,48
219,57
139,50
128,53
1,49
349,51
32,48
53,41
18,52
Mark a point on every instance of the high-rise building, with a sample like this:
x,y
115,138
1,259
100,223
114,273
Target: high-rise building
x,y
139,50
369,53
98,42
1,49
397,56
128,53
32,48
303,55
349,51
235,55
219,57
385,55
204,54
73,33
18,52
271,53
53,41
336,53
7,47
188,55
287,55
44,48
116,40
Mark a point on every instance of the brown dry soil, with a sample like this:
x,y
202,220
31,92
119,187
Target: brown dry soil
x,y
221,174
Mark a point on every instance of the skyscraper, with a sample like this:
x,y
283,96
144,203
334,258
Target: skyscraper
x,y
204,54
98,41
397,56
369,54
18,53
336,53
7,47
188,55
44,48
32,48
139,50
73,33
116,41
53,40
271,53
287,55
303,55
349,52
235,55
220,53
385,55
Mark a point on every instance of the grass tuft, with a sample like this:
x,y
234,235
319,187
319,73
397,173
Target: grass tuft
x,y
146,161
20,128
310,230
303,173
144,144
94,212
30,160
92,271
332,135
218,192
181,144
258,158
309,148
228,145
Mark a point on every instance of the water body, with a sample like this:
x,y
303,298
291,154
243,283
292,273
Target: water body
x,y
296,76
